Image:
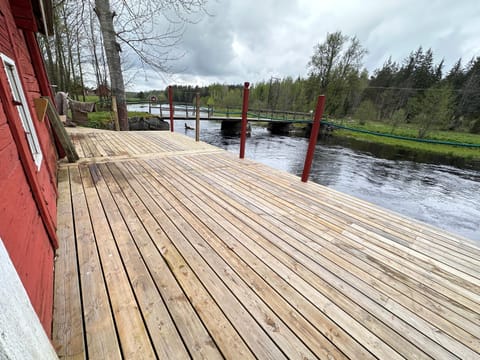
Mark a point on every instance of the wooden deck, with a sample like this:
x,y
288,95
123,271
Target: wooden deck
x,y
173,249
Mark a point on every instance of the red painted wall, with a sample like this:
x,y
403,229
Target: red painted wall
x,y
22,229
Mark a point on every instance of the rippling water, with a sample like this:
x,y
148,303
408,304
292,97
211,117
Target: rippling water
x,y
443,196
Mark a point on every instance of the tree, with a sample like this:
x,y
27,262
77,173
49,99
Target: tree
x,y
335,67
145,29
434,109
366,111
398,117
469,102
326,57
112,52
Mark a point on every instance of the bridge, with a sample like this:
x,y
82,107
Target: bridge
x,y
279,121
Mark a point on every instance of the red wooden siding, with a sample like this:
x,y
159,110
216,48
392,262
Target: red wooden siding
x,y
27,199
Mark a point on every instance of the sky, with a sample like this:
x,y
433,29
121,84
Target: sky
x,y
254,40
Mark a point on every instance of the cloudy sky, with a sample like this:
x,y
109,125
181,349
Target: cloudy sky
x,y
252,40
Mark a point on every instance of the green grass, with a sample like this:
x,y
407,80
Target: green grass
x,y
91,98
95,98
409,130
103,119
100,119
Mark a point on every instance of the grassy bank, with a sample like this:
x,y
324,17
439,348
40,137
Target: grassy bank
x,y
104,119
411,131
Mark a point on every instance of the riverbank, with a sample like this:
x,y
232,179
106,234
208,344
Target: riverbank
x,y
392,148
104,119
403,150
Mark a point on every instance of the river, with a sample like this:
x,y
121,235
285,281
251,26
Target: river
x,y
443,196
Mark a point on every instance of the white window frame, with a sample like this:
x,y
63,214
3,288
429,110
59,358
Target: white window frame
x,y
23,110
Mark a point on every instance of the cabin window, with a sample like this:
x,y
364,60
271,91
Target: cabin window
x,y
21,104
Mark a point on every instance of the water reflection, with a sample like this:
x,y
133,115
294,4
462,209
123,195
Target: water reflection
x,y
443,196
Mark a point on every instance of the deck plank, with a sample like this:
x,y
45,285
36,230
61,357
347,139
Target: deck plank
x,y
414,336
132,334
268,320
312,227
101,336
225,336
159,324
341,223
185,251
259,342
195,335
294,268
68,334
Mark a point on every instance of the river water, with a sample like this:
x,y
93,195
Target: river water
x,y
443,196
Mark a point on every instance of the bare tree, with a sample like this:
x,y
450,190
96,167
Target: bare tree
x,y
136,26
90,36
112,51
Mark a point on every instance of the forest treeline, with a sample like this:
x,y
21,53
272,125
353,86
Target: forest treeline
x,y
417,89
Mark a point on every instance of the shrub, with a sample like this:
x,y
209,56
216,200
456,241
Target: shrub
x,y
366,111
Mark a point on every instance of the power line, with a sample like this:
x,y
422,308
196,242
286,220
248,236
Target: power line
x,y
418,89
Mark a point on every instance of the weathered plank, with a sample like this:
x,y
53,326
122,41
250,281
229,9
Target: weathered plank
x,y
160,295
68,332
101,336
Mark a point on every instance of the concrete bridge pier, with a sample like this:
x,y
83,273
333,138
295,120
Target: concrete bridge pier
x,y
233,127
325,130
280,128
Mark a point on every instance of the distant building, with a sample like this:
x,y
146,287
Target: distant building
x,y
103,91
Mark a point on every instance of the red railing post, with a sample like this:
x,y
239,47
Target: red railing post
x,y
170,100
243,133
313,137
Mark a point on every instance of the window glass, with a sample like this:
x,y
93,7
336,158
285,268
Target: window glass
x,y
21,104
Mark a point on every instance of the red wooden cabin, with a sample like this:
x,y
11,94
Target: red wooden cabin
x,y
28,156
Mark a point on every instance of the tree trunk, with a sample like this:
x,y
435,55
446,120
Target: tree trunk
x,y
112,49
80,71
61,85
52,74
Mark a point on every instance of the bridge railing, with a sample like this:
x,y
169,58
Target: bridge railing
x,y
244,121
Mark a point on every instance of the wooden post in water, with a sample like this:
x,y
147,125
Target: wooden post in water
x,y
243,134
313,137
170,100
161,115
197,119
115,113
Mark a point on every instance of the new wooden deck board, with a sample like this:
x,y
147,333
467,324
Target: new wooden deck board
x,y
176,249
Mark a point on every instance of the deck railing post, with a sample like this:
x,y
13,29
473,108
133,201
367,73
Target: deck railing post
x,y
243,134
170,100
313,137
197,119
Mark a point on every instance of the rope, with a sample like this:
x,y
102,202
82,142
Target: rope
x,y
429,141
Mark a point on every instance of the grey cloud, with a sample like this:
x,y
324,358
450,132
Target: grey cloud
x,y
254,39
